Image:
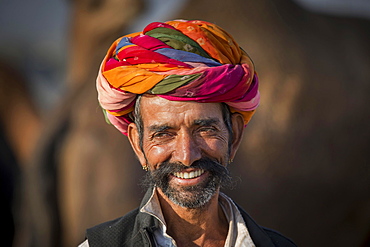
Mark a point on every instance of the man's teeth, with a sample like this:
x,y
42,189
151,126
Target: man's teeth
x,y
189,175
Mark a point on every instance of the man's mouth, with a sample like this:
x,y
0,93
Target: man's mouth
x,y
189,175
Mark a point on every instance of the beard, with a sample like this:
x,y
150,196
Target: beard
x,y
195,196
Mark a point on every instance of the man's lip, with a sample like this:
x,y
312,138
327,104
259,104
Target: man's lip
x,y
189,173
188,177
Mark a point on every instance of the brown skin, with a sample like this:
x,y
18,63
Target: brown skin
x,y
185,132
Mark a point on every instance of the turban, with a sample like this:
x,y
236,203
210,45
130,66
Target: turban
x,y
180,61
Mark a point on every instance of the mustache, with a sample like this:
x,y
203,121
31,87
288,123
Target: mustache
x,y
161,175
204,163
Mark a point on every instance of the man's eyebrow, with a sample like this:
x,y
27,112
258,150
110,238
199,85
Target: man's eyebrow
x,y
206,121
158,128
198,122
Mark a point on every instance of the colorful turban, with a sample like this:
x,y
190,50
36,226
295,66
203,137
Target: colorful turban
x,y
180,61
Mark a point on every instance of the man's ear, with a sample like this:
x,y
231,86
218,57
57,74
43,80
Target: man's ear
x,y
237,122
133,137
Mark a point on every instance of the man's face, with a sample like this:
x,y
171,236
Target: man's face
x,y
186,147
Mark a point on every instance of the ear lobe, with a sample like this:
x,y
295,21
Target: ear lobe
x,y
133,137
237,122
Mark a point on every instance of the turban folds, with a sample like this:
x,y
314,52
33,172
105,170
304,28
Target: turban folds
x,y
180,61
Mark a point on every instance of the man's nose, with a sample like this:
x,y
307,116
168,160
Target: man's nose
x,y
186,150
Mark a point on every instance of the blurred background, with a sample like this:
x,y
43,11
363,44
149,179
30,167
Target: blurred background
x,y
303,168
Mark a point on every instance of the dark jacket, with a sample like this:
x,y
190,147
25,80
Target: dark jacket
x,y
136,229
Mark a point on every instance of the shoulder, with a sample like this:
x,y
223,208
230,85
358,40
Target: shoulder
x,y
128,230
112,232
263,236
116,224
278,239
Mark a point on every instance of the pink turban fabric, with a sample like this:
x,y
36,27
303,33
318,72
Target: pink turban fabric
x,y
177,60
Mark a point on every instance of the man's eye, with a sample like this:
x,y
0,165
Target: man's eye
x,y
207,130
161,135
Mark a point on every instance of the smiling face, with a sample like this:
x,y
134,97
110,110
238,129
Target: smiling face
x,y
186,146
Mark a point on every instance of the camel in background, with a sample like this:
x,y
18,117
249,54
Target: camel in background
x,y
303,165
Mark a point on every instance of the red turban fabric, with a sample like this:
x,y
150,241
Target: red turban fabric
x,y
177,60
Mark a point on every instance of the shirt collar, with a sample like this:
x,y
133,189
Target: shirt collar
x,y
238,234
153,207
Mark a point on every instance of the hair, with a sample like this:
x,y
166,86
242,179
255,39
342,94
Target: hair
x,y
138,120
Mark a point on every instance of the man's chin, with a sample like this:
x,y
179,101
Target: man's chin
x,y
193,189
191,197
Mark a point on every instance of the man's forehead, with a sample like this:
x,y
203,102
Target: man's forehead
x,y
162,126
157,109
148,102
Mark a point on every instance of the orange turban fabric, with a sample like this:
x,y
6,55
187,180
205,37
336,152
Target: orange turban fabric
x,y
178,60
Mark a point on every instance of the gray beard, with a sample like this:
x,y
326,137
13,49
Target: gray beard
x,y
191,197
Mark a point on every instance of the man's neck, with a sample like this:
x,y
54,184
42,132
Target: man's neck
x,y
205,226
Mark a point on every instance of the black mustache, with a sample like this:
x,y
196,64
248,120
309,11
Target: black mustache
x,y
204,163
161,175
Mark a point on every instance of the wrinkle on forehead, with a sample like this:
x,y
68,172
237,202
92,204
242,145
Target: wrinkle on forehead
x,y
156,108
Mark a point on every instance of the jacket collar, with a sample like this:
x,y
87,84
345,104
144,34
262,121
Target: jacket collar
x,y
144,220
149,223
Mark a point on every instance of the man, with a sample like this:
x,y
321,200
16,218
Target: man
x,y
182,91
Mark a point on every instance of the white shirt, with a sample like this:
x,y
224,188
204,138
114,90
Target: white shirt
x,y
238,234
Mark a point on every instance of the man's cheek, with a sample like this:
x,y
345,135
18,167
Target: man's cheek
x,y
156,155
